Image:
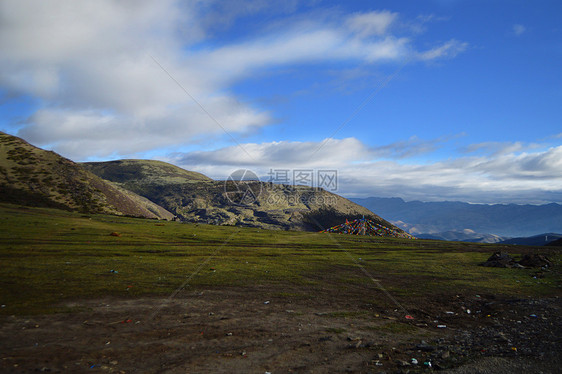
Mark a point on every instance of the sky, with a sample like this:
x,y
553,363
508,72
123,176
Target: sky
x,y
421,99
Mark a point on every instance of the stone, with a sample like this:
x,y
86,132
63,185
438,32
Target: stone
x,y
499,260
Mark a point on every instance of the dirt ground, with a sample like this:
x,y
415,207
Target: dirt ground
x,y
260,330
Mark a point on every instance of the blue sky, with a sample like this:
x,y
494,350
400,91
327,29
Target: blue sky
x,y
428,100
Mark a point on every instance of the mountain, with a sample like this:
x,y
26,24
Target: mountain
x,y
463,236
155,189
542,239
196,198
555,243
134,173
35,177
506,220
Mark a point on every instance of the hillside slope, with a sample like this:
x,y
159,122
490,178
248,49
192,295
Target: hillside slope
x,y
136,172
555,243
35,177
196,198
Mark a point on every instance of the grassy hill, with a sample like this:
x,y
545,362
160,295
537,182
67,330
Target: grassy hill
x,y
35,177
133,173
196,198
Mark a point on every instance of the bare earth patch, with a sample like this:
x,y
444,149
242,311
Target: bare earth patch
x,y
260,329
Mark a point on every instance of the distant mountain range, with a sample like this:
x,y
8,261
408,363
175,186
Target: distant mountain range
x,y
452,220
542,239
468,236
465,235
154,189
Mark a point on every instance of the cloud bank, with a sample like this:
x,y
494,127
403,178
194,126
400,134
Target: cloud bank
x,y
525,173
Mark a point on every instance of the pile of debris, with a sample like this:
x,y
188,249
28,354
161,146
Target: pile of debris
x,y
535,261
503,260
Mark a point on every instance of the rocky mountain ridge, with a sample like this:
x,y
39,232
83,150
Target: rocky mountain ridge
x,y
195,198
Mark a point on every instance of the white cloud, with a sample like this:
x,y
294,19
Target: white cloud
x,y
412,147
89,133
527,167
327,153
309,42
372,23
519,29
447,50
425,18
495,148
333,152
526,178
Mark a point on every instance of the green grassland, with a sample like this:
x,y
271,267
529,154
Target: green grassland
x,y
48,256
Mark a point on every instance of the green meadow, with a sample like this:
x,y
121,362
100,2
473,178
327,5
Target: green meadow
x,y
50,256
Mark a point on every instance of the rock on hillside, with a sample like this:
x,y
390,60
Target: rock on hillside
x,y
196,198
35,177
